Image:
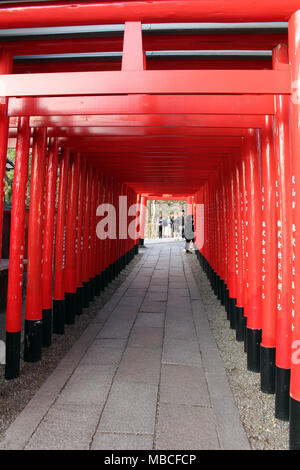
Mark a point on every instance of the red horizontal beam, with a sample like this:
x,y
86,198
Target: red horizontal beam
x,y
137,131
141,104
117,12
152,42
153,64
150,81
207,121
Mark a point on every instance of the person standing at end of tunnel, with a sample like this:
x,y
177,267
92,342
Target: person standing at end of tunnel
x,y
189,232
160,222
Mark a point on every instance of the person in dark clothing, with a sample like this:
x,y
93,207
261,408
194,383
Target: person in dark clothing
x,y
182,223
160,222
189,232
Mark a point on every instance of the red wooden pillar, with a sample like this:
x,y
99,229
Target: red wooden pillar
x,y
232,278
240,327
59,307
294,58
79,246
93,233
16,252
269,259
98,278
6,62
71,234
253,252
86,237
137,228
244,210
47,282
33,312
143,219
284,246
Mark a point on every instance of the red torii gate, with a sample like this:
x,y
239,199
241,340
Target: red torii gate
x,y
226,134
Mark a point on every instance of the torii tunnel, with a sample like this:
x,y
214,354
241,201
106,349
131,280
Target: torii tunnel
x,y
196,100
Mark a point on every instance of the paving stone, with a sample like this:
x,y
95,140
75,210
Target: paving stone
x,y
130,408
135,292
178,292
140,365
156,297
131,301
154,320
155,307
146,337
158,288
180,329
103,441
116,329
177,351
231,432
99,354
89,385
185,427
183,385
66,427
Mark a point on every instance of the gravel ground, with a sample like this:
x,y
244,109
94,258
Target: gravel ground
x,y
256,408
15,394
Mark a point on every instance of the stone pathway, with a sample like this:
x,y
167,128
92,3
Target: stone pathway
x,y
146,373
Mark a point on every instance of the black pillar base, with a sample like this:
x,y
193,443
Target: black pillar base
x,y
294,424
245,334
282,393
12,355
86,294
59,315
102,281
253,349
47,327
136,249
70,307
232,313
267,369
97,285
79,300
240,329
141,242
92,289
227,302
33,341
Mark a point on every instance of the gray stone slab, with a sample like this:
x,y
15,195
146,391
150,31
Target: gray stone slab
x,y
157,281
135,292
130,408
103,441
183,385
155,307
231,432
180,329
185,427
89,385
177,351
146,337
131,301
66,427
158,288
154,320
212,361
139,365
156,297
116,329
178,292
99,354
